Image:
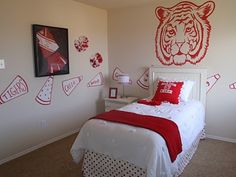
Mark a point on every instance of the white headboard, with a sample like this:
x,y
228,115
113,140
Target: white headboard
x,y
197,75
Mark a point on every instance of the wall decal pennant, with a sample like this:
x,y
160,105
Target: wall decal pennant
x,y
143,81
70,84
211,81
117,71
16,88
45,94
98,80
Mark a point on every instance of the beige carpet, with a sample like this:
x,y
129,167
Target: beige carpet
x,y
213,159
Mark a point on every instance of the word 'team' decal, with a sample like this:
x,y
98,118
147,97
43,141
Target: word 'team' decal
x,y
183,32
17,87
97,80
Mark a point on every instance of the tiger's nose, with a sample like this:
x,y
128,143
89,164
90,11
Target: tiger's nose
x,y
179,44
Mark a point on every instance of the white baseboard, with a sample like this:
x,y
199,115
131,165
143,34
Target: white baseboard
x,y
221,138
37,147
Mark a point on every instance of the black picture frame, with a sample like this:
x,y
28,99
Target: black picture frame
x,y
51,56
112,92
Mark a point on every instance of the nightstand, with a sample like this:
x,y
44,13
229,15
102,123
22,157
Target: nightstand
x,y
115,103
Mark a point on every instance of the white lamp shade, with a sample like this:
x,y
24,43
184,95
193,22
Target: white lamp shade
x,y
123,79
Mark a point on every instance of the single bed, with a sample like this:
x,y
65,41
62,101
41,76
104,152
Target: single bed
x,y
115,149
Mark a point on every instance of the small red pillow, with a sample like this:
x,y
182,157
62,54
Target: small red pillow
x,y
168,92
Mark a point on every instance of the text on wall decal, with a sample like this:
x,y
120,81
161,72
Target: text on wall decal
x,y
183,32
16,88
97,80
69,85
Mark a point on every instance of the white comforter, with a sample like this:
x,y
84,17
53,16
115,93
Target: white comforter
x,y
140,146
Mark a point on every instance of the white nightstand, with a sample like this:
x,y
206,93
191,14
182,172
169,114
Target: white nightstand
x,y
115,103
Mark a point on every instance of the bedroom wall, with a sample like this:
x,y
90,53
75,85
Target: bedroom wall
x,y
131,38
24,123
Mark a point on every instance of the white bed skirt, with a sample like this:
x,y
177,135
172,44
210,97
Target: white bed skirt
x,y
97,165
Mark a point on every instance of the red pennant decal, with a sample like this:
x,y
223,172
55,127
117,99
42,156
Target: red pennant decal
x,y
45,94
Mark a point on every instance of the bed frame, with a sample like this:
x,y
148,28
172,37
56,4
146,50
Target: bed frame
x,y
197,75
104,162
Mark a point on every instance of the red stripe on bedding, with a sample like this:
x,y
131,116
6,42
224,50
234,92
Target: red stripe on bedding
x,y
166,128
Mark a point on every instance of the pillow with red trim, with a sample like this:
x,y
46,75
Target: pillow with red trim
x,y
185,91
168,92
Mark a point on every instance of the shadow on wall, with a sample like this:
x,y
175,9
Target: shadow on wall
x,y
100,104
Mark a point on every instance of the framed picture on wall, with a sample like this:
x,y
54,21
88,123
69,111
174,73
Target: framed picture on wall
x,y
112,92
51,56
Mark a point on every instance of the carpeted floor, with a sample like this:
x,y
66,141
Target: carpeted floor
x,y
213,159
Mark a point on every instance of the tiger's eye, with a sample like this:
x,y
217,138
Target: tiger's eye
x,y
171,32
188,29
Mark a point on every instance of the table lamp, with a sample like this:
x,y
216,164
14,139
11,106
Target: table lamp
x,y
124,80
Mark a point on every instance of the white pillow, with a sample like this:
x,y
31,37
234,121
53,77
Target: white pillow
x,y
186,89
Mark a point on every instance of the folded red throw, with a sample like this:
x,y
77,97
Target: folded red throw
x,y
149,102
166,128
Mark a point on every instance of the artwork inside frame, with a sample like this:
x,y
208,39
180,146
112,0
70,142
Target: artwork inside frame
x,y
112,92
51,56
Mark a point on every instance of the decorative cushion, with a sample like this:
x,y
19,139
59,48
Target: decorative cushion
x,y
168,92
185,91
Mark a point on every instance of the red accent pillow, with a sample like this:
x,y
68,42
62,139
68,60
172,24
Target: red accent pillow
x,y
168,92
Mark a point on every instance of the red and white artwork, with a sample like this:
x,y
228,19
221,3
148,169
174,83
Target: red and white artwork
x,y
183,32
69,85
98,80
117,71
211,81
96,60
50,50
45,94
143,80
232,86
81,44
17,87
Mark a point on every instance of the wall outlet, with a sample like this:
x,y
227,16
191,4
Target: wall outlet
x,y
44,124
2,64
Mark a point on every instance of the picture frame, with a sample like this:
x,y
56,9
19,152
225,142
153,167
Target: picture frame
x,y
51,56
112,92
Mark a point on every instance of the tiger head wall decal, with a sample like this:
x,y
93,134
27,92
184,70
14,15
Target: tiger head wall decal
x,y
183,32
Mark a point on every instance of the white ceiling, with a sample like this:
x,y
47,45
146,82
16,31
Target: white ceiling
x,y
112,4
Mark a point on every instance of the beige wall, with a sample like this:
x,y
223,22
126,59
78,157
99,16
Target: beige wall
x,y
21,119
131,39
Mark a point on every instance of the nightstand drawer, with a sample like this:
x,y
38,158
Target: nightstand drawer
x,y
113,105
117,103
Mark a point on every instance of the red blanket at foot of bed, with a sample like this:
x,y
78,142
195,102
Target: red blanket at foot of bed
x,y
166,128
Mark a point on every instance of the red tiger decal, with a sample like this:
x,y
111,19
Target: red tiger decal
x,y
183,32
